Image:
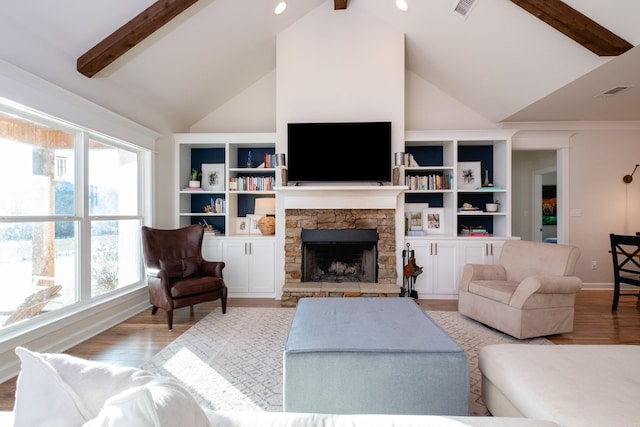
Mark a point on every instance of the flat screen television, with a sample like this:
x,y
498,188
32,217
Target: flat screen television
x,y
343,152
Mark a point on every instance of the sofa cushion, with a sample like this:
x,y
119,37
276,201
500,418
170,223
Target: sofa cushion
x,y
497,290
71,391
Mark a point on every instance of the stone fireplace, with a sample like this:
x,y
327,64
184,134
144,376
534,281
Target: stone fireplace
x,y
357,226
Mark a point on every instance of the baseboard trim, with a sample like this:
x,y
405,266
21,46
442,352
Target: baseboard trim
x,y
64,333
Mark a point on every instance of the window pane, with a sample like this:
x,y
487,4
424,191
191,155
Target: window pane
x,y
37,269
115,255
36,169
113,180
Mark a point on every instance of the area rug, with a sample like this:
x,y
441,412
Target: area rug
x,y
234,361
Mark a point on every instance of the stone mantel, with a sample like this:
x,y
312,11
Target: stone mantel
x,y
340,197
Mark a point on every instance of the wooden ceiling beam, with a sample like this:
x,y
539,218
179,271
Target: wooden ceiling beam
x,y
339,4
130,34
576,26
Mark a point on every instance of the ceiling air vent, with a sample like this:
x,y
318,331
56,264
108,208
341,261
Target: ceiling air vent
x,y
614,90
463,7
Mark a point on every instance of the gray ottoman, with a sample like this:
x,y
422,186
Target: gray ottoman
x,y
372,356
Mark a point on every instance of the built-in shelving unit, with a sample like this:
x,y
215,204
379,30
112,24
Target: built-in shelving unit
x,y
240,184
436,179
444,252
249,256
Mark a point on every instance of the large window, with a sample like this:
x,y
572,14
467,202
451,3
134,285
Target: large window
x,y
70,214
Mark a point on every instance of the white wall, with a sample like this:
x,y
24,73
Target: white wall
x,y
346,66
598,161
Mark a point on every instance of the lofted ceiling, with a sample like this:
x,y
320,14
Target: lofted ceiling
x,y
500,61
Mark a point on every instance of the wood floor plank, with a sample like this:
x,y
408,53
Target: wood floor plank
x,y
139,338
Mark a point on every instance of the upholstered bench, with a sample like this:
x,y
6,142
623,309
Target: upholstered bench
x,y
571,385
372,356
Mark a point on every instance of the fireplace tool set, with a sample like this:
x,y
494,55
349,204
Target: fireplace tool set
x,y
409,273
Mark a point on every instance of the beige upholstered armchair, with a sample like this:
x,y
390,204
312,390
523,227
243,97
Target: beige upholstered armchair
x,y
530,293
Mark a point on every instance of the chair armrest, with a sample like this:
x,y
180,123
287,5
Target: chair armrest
x,y
471,272
212,268
544,285
153,272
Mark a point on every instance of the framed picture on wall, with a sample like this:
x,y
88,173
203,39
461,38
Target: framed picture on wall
x,y
213,176
549,205
433,220
469,175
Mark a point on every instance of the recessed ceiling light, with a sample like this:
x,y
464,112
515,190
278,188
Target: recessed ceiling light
x,y
402,5
280,7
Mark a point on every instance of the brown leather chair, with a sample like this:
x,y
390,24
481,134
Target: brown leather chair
x,y
177,275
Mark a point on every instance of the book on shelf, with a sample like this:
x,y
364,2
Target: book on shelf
x,y
252,183
192,189
429,182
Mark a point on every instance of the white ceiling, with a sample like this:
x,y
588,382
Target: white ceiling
x,y
500,61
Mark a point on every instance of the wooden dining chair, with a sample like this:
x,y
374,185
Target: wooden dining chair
x,y
625,251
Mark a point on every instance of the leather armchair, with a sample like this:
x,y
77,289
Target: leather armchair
x,y
530,293
177,275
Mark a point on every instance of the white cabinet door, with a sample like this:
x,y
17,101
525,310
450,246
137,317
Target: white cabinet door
x,y
444,265
262,266
235,254
438,259
250,266
212,248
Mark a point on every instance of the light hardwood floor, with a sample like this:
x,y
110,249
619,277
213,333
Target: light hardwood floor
x,y
138,339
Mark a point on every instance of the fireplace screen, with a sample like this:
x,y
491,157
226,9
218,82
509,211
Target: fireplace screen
x,y
340,255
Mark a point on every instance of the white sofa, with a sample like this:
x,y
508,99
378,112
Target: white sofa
x,y
572,385
58,390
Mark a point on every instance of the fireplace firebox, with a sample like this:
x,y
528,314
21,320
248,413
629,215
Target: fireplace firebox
x,y
340,255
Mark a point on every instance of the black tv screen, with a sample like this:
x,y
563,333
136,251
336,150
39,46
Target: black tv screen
x,y
339,152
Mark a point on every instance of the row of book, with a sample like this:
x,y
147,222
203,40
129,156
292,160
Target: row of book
x,y
269,160
252,183
429,182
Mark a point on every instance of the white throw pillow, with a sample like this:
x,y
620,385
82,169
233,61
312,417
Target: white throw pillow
x,y
63,390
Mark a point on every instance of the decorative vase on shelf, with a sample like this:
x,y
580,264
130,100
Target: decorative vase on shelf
x,y
194,184
249,161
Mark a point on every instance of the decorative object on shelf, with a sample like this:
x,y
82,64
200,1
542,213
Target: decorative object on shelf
x,y
281,163
493,207
265,208
242,225
253,221
413,214
208,228
468,207
398,162
249,161
473,230
469,175
194,179
213,176
207,208
219,205
433,220
486,182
